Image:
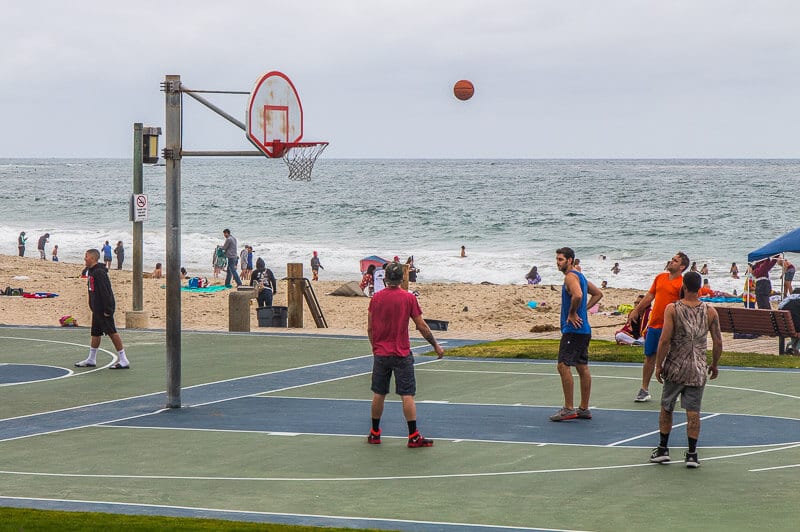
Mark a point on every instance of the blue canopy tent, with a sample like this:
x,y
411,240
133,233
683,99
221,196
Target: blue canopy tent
x,y
789,242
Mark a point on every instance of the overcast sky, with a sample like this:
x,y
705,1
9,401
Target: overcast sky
x,y
582,79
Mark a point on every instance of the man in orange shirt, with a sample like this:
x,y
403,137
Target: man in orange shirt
x,y
705,290
666,289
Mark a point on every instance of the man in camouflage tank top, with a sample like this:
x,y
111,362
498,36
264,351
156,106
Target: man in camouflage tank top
x,y
682,366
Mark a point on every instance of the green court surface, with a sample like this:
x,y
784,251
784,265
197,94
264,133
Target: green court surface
x,y
273,428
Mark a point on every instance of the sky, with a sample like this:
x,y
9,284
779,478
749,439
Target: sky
x,y
553,79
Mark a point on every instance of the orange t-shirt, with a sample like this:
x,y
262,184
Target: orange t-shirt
x,y
705,291
666,291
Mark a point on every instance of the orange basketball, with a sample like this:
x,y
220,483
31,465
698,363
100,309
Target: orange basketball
x,y
463,89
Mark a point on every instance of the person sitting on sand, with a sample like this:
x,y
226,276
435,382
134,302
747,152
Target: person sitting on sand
x,y
368,281
533,276
157,274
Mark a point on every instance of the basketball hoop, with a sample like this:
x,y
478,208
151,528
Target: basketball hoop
x,y
300,158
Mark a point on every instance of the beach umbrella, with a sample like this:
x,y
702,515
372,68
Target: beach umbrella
x,y
789,242
372,259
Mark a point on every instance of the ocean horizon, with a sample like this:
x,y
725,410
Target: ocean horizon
x,y
510,214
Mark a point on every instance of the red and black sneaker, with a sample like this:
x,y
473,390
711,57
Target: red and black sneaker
x,y
374,437
416,440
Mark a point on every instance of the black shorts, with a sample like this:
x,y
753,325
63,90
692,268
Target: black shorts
x,y
102,325
574,349
403,367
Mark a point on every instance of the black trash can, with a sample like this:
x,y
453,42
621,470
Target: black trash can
x,y
273,316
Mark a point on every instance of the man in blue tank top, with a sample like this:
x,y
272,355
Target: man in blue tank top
x,y
575,335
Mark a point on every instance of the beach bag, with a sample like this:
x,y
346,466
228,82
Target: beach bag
x,y
198,282
68,321
12,291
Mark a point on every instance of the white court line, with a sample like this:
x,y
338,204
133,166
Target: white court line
x,y
773,468
549,374
285,514
656,431
70,373
330,479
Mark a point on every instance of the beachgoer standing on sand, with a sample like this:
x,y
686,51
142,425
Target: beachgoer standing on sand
x,y
367,281
763,284
315,267
229,247
533,276
576,332
666,289
102,305
21,239
681,365
264,281
107,257
387,328
218,261
788,276
43,240
119,251
55,253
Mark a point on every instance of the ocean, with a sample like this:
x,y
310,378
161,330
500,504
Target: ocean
x,y
509,214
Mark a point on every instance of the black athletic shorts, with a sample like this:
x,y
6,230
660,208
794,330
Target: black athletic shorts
x,y
574,349
403,368
102,325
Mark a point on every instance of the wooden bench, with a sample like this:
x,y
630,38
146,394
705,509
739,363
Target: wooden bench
x,y
740,320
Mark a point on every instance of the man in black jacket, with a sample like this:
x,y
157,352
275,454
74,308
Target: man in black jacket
x,y
102,304
792,304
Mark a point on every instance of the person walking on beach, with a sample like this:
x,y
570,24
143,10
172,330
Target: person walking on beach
x,y
264,281
682,365
119,251
387,328
576,332
102,305
21,239
666,289
43,240
315,267
107,257
229,247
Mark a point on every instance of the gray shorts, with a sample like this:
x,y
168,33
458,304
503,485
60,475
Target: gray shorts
x,y
691,396
403,368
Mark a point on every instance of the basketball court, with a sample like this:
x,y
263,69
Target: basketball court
x,y
273,429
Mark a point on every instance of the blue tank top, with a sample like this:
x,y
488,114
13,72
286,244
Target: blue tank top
x,y
566,300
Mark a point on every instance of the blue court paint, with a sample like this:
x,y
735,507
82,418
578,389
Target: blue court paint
x,y
17,373
522,424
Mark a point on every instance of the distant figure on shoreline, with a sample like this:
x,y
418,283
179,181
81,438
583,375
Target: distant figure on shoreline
x,y
55,253
156,274
615,268
367,283
316,266
119,251
788,277
734,271
693,267
21,239
533,276
704,270
577,264
107,257
463,251
229,247
43,240
412,270
218,261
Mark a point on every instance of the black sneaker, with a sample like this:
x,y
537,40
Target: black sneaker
x,y
660,455
691,460
374,437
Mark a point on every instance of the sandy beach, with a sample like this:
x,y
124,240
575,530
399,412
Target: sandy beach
x,y
481,311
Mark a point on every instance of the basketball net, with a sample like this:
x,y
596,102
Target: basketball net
x,y
300,159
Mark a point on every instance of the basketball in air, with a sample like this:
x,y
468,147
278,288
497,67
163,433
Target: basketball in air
x,y
463,89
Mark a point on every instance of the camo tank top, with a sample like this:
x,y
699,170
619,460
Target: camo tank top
x,y
686,363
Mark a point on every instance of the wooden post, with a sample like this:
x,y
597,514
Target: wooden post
x,y
406,267
294,272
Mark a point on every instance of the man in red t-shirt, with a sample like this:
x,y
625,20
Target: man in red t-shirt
x,y
387,327
666,289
